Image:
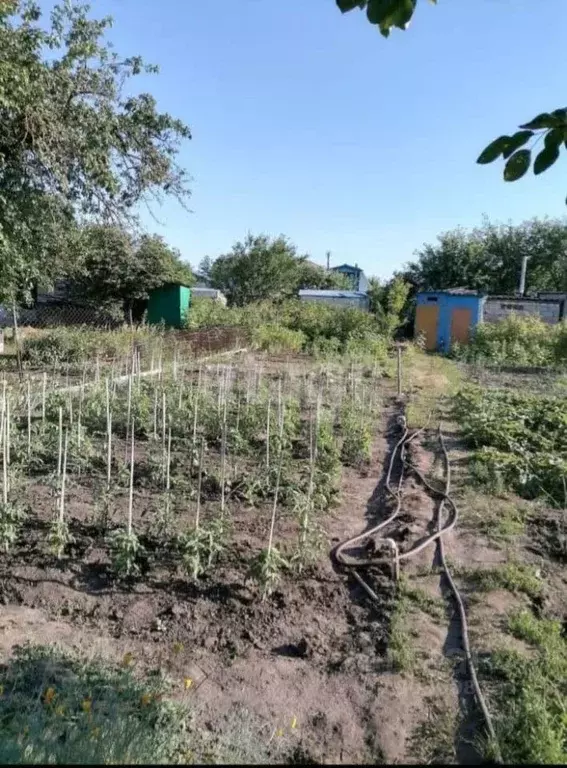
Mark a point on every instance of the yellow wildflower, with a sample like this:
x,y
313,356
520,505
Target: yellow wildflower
x,y
294,722
188,682
127,659
86,704
279,732
60,711
177,647
49,695
146,699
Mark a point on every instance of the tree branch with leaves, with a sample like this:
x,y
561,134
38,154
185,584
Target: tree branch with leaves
x,y
549,126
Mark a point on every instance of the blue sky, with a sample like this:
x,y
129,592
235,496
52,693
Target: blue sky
x,y
309,123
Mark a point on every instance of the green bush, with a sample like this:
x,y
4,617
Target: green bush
x,y
325,330
528,700
56,708
275,339
521,440
520,341
79,345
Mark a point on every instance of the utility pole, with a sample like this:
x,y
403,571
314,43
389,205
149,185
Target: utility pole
x,y
328,260
522,288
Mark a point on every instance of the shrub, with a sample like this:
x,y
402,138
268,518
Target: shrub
x,y
275,339
522,341
79,345
56,708
325,330
521,440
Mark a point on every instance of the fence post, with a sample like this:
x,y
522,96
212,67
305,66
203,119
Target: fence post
x,y
399,350
17,341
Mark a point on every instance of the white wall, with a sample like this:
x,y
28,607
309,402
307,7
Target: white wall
x,y
497,309
357,303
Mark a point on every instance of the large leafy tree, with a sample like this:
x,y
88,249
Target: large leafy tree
x,y
265,268
489,258
550,126
74,141
115,271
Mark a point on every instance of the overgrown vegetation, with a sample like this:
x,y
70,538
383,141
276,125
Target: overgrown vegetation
x,y
58,708
59,346
294,326
528,692
520,441
517,341
513,576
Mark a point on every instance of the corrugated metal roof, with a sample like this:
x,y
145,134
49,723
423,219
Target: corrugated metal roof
x,y
455,292
334,294
345,267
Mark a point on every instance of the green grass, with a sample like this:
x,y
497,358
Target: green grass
x,y
515,577
500,519
428,381
528,693
419,598
56,708
401,654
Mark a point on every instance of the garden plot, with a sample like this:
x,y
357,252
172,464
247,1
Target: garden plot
x,y
183,520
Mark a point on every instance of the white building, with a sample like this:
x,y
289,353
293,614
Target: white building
x,y
202,292
352,299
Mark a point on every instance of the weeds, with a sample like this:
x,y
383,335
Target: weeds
x,y
515,577
401,654
520,441
528,693
433,741
57,708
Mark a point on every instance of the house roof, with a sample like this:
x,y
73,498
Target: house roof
x,y
348,267
455,292
204,289
333,294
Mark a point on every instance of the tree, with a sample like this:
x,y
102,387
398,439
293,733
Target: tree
x,y
204,269
259,268
376,294
489,258
551,126
74,141
313,276
116,271
389,302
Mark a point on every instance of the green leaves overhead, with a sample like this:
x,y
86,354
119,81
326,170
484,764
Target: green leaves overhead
x,y
517,165
385,14
398,13
551,126
505,146
75,138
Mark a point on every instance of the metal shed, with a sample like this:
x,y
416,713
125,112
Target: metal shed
x,y
446,317
353,299
170,305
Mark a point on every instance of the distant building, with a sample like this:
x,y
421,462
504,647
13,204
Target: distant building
x,y
352,299
448,316
355,275
203,292
548,308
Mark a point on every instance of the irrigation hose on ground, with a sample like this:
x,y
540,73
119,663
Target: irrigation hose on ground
x,y
395,493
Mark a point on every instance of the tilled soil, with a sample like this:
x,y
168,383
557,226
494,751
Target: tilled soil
x,y
309,654
311,661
